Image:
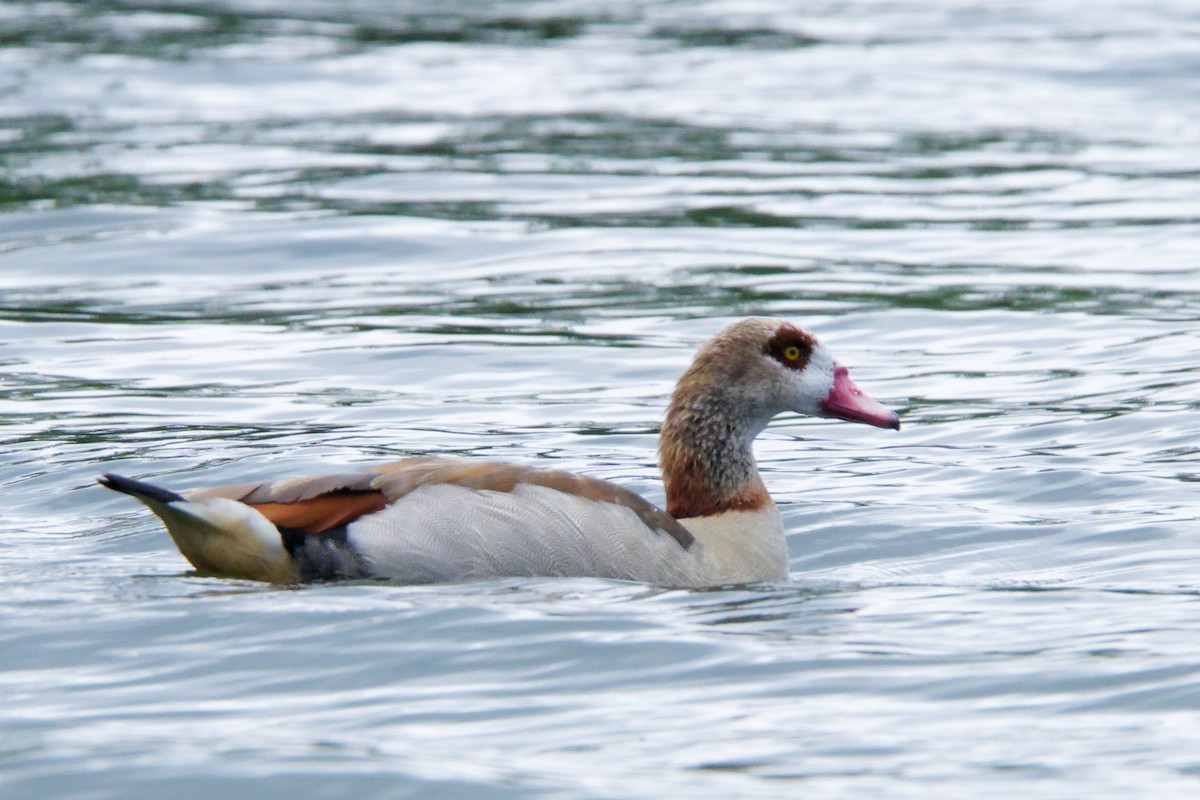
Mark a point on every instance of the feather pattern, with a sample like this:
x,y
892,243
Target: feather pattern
x,y
445,531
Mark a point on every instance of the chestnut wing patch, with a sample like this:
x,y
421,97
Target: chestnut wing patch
x,y
309,505
324,512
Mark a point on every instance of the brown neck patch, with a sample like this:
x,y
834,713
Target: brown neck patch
x,y
704,474
689,493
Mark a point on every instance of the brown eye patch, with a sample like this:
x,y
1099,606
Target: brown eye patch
x,y
791,347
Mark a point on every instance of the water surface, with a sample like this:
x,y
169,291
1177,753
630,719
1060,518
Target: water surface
x,y
270,238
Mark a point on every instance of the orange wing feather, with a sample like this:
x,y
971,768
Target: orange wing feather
x,y
320,513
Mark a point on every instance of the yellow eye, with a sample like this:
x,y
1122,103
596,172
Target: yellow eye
x,y
792,353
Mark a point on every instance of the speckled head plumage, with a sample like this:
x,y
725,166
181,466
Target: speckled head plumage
x,y
738,381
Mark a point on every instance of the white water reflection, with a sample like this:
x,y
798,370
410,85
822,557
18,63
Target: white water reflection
x,y
275,237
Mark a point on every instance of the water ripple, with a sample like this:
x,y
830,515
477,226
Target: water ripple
x,y
272,237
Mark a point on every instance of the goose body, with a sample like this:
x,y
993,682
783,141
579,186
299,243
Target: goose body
x,y
426,520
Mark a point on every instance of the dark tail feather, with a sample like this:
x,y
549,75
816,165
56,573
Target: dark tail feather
x,y
139,489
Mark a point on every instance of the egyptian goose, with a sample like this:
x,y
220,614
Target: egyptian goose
x,y
425,520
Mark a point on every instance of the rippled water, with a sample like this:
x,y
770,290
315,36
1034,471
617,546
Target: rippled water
x,y
262,238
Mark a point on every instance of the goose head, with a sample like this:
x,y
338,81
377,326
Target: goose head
x,y
738,381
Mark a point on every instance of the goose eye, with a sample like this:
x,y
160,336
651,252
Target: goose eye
x,y
791,347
